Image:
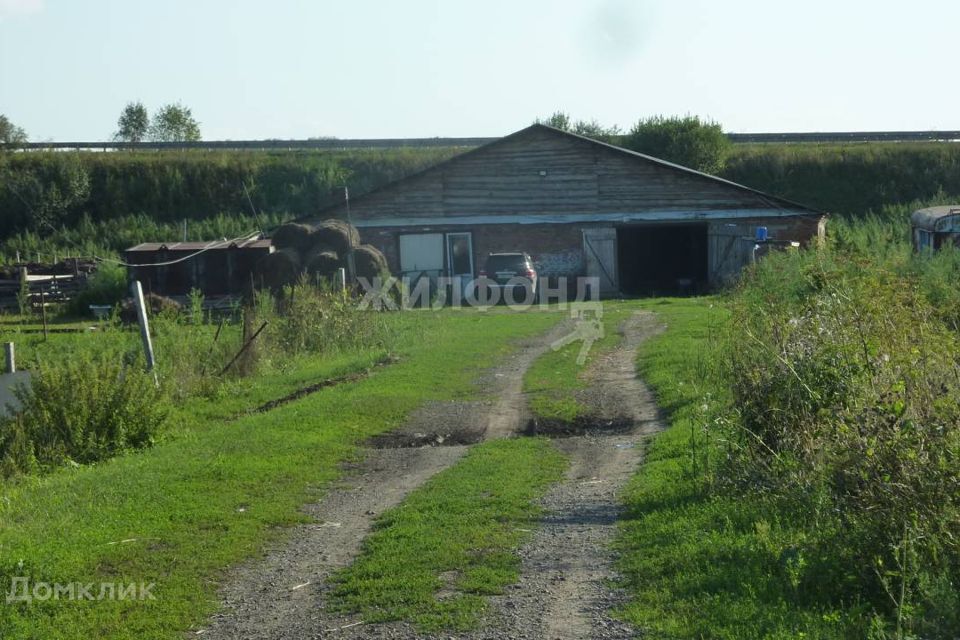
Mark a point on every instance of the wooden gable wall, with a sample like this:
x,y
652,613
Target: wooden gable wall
x,y
540,171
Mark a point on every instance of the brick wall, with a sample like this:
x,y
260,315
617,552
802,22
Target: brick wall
x,y
558,248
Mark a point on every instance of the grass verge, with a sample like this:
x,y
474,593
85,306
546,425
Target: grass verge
x,y
698,564
453,541
178,514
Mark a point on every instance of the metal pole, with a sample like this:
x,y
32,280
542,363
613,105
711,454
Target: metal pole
x,y
11,360
137,292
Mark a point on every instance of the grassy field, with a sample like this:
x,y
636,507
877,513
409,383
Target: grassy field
x,y
176,515
468,521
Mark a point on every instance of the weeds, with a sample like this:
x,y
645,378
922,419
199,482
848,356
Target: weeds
x,y
847,409
80,412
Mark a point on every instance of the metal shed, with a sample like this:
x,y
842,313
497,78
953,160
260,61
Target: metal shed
x,y
216,268
936,227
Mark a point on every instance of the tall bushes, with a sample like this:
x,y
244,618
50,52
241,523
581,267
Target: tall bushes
x,y
172,186
849,179
846,390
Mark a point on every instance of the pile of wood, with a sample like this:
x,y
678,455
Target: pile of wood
x,y
318,251
43,284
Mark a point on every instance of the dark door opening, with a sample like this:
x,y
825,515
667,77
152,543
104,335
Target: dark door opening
x,y
663,259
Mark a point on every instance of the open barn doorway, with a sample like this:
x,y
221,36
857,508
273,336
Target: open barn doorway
x,y
668,259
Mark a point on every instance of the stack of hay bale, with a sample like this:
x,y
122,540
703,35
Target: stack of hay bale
x,y
318,251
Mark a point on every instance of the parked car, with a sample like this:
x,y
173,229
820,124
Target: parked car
x,y
513,271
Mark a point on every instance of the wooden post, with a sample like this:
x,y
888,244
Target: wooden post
x,y
137,292
216,336
11,361
23,295
246,345
351,262
342,279
43,311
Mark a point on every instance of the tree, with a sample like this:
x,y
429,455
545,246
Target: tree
x,y
54,189
595,130
11,133
174,123
559,120
133,123
589,129
687,141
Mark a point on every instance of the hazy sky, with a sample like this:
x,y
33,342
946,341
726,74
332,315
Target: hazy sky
x,y
359,68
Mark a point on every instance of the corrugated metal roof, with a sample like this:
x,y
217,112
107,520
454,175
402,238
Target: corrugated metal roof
x,y
188,247
936,218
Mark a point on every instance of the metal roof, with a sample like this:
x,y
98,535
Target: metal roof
x,y
199,246
937,218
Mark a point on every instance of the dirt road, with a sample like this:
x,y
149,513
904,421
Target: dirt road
x,y
566,565
564,590
280,594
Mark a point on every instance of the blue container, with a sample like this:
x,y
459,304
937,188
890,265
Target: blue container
x,y
761,234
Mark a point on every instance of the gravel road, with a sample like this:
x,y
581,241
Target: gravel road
x,y
279,595
564,590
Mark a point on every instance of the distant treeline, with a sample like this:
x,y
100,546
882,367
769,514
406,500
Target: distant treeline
x,y
46,193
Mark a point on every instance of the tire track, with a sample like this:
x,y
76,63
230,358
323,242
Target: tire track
x,y
280,595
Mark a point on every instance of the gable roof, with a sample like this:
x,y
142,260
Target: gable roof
x,y
775,202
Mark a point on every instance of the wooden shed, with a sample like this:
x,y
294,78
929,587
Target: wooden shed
x,y
217,268
578,207
936,227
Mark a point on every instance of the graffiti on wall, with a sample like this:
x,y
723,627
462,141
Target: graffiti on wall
x,y
560,263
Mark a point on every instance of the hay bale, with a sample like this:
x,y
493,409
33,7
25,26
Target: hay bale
x,y
280,268
293,235
323,262
155,304
370,262
336,234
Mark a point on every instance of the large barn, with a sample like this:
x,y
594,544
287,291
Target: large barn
x,y
578,207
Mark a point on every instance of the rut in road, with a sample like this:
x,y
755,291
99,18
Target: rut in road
x,y
280,596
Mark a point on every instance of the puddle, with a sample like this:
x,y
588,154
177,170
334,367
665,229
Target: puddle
x,y
584,426
407,440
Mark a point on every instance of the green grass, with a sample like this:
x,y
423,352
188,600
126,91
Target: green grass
x,y
554,378
458,533
215,493
700,564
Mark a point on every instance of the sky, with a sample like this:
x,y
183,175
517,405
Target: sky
x,y
253,69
